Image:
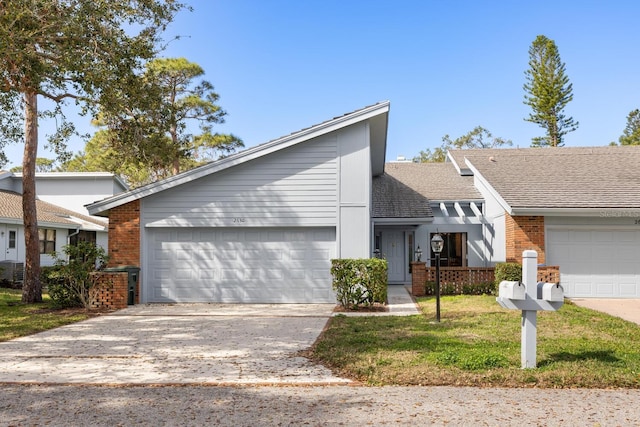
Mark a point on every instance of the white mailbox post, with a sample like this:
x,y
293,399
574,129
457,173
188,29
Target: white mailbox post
x,y
530,296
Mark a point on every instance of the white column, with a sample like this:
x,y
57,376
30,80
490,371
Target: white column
x,y
529,317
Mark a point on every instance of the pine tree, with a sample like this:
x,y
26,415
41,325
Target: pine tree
x,y
631,134
548,92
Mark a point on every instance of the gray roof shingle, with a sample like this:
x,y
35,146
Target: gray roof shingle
x,y
11,209
405,190
585,177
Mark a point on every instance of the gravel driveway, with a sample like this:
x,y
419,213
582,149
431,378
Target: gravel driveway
x,y
181,344
314,406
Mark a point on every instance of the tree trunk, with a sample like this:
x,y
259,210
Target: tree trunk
x,y
32,288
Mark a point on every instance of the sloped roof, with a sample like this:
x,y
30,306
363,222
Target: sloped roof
x,y
11,211
559,178
376,114
406,189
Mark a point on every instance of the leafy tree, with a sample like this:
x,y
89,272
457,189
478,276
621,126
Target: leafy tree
x,y
100,156
479,137
42,165
85,51
153,129
631,134
548,92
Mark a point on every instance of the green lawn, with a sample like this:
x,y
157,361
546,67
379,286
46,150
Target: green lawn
x,y
478,343
17,319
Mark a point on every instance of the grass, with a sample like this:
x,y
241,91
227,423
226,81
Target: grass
x,y
17,319
477,343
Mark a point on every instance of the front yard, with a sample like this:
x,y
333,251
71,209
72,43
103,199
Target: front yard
x,y
478,343
17,319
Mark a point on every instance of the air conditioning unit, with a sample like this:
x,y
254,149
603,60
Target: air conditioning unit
x,y
12,271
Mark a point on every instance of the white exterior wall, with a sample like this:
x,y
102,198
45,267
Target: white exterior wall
x,y
294,187
75,193
494,233
354,240
62,235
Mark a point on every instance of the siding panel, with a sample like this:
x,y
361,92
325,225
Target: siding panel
x,y
293,187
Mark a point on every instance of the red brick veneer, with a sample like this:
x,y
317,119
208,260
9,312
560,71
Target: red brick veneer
x,y
524,233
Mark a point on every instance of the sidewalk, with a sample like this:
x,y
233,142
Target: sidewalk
x,y
399,302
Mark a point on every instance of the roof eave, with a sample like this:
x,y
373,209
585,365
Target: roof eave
x,y
402,221
100,207
589,212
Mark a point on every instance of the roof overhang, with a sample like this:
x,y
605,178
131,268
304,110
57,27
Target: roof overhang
x,y
602,212
377,115
402,221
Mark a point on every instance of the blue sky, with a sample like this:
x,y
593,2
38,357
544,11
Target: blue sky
x,y
446,66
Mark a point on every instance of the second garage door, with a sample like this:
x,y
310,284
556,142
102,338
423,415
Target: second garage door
x,y
235,265
596,263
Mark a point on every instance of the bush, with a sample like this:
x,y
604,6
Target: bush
x,y
359,282
482,288
511,271
71,282
60,294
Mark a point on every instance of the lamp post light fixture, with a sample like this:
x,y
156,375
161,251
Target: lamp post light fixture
x,y
376,253
418,254
437,244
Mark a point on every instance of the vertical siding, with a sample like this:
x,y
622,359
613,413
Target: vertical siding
x,y
293,187
355,192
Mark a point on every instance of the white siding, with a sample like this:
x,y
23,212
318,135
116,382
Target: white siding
x,y
293,187
355,192
494,233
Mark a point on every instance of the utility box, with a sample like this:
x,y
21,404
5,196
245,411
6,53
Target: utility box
x,y
133,273
550,291
511,290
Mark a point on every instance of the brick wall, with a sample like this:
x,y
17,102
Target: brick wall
x,y
524,233
110,290
460,276
418,278
124,239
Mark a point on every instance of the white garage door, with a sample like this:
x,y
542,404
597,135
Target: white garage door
x,y
239,265
596,263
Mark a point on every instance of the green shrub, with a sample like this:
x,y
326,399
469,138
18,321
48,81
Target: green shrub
x,y
482,288
60,294
359,282
511,271
71,282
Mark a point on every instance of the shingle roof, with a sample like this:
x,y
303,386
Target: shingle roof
x,y
585,177
11,209
405,190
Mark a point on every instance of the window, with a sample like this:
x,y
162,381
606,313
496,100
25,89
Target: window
x,y
47,240
454,252
81,236
12,239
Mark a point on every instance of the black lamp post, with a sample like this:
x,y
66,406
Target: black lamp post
x,y
437,243
418,254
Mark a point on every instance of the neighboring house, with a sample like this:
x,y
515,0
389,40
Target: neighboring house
x,y
579,208
263,224
62,218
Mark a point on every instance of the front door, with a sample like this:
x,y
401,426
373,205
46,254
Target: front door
x,y
11,244
393,249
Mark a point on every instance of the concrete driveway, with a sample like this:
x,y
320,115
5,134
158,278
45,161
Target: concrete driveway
x,y
627,309
175,344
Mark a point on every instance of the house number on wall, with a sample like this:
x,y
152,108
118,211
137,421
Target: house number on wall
x,y
237,220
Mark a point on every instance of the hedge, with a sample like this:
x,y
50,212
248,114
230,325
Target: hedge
x,y
359,282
